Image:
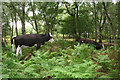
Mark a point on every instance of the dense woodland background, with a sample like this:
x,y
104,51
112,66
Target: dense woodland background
x,y
68,22
97,21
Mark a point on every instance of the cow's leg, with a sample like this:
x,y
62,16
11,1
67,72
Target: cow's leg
x,y
42,44
20,51
38,46
17,50
13,48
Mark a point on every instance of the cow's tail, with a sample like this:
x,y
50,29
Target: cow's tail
x,y
12,44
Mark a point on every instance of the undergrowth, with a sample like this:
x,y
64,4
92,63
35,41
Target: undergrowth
x,y
61,59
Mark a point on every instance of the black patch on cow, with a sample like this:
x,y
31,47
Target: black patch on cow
x,y
31,40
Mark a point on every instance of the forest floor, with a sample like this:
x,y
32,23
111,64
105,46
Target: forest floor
x,y
61,59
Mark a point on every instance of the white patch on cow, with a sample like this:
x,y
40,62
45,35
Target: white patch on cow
x,y
78,44
82,41
25,46
17,50
50,34
20,51
51,40
35,45
13,48
103,46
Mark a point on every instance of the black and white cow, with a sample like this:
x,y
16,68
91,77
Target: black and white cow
x,y
30,40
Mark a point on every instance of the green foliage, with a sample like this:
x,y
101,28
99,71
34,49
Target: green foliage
x,y
72,25
56,61
87,69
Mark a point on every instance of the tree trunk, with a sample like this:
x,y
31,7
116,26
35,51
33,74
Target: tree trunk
x,y
63,36
36,26
78,23
35,19
109,36
101,29
95,22
88,35
12,27
0,36
52,29
74,22
111,24
54,19
100,35
16,30
47,24
119,20
23,19
19,14
75,32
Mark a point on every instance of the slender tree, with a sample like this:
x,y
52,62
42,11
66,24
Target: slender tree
x,y
95,17
22,17
111,24
16,30
119,20
74,22
34,16
12,26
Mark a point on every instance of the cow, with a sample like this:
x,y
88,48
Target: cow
x,y
30,40
88,41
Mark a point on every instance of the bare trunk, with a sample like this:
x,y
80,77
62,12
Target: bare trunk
x,y
88,35
100,36
35,19
16,30
109,36
73,15
95,22
111,24
12,27
52,30
0,36
54,19
101,29
75,32
23,18
119,20
36,26
78,22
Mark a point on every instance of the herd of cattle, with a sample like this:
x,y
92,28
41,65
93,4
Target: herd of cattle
x,y
39,40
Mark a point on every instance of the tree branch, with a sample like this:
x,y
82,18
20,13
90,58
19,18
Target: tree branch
x,y
68,10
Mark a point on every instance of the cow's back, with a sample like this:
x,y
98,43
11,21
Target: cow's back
x,y
27,40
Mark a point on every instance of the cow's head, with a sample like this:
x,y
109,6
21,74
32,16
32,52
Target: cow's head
x,y
51,38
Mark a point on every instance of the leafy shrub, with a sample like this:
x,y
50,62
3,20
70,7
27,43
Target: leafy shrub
x,y
62,59
87,69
